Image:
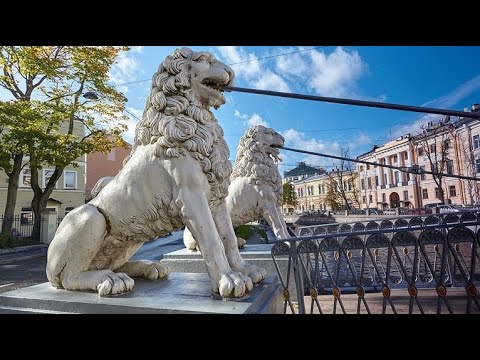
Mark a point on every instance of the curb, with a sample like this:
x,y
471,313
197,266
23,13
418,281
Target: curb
x,y
15,259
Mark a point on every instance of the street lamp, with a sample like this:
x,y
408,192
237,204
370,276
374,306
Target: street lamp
x,y
90,95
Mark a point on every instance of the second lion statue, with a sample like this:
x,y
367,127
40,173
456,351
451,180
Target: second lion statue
x,y
177,174
256,190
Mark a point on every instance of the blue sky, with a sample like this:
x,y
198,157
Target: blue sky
x,y
444,77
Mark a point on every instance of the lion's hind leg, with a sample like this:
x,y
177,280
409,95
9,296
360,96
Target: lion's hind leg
x,y
76,243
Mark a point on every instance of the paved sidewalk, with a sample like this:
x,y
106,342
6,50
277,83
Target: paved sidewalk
x,y
11,256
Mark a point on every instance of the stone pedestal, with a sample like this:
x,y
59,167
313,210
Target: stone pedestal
x,y
188,261
180,293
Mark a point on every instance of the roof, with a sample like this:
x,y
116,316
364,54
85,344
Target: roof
x,y
303,169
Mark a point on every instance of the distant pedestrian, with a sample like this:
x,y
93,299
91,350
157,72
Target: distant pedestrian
x,y
16,233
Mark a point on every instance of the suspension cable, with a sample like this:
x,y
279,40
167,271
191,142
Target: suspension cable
x,y
413,169
357,102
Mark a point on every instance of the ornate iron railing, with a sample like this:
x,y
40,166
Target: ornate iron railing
x,y
408,264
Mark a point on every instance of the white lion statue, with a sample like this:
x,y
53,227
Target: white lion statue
x,y
177,174
256,189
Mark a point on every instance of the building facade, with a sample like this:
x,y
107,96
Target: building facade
x,y
315,192
101,165
69,191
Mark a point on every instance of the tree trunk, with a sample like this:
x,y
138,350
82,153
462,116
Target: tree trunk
x,y
12,194
40,198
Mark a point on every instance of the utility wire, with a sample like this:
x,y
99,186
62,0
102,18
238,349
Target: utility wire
x,y
413,169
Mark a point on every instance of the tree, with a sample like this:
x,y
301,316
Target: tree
x,y
333,198
47,84
289,195
344,177
435,142
467,156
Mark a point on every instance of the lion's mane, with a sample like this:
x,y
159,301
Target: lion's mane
x,y
176,123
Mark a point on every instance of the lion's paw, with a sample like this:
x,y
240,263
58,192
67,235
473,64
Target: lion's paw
x,y
233,284
156,271
254,272
115,283
241,242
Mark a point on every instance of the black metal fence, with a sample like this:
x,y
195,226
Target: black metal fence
x,y
409,264
23,230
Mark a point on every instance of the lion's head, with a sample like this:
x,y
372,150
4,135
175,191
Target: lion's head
x,y
257,154
177,117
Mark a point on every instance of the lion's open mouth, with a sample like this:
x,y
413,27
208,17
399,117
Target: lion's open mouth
x,y
213,84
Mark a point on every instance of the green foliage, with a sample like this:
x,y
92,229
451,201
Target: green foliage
x,y
244,231
247,231
333,198
48,118
289,195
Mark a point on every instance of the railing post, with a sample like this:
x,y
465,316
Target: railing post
x,y
48,226
297,273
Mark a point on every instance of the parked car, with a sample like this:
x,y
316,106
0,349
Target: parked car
x,y
447,208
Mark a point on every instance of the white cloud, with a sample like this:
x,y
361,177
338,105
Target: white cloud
x,y
131,123
137,49
335,74
250,120
452,98
298,140
124,70
271,81
234,55
314,71
256,119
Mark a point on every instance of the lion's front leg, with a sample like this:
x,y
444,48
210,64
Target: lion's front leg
x,y
225,229
146,269
198,219
275,219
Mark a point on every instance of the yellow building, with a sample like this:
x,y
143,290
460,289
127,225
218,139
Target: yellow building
x,y
312,191
68,193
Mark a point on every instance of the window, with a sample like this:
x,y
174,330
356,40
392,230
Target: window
x,y
26,216
420,151
376,180
47,174
435,168
405,195
350,185
69,179
433,148
397,177
423,176
437,193
395,158
364,199
405,155
476,141
319,189
369,183
370,198
68,209
446,144
424,193
25,178
361,168
362,184
453,191
345,185
384,197
449,164
477,165
111,155
368,166
385,178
